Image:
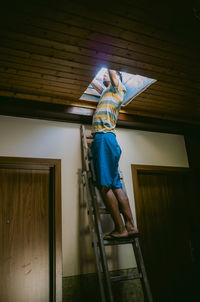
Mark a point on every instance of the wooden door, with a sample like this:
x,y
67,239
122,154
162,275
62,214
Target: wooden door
x,y
26,232
163,198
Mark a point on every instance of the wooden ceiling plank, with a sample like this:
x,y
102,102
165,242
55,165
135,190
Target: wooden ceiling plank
x,y
45,67
167,113
23,70
172,115
143,93
159,87
110,17
165,104
18,84
42,81
139,101
86,48
44,58
52,27
40,92
75,59
154,27
132,13
100,27
12,73
82,46
77,114
174,97
165,97
73,40
43,98
151,103
179,18
9,60
101,43
162,115
135,111
141,113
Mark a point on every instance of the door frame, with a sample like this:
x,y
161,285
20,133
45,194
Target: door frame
x,y
136,169
167,170
54,167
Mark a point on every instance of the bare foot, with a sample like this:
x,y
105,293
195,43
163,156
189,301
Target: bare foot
x,y
116,235
131,228
133,231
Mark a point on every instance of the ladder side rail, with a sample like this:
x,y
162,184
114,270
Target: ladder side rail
x,y
94,193
90,207
84,148
94,239
82,154
93,190
141,267
139,258
90,179
91,165
100,240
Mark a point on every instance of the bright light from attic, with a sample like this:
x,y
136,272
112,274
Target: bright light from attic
x,y
135,84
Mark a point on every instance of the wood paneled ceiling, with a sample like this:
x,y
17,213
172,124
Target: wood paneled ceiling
x,y
50,51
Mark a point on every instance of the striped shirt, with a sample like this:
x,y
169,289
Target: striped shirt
x,y
106,114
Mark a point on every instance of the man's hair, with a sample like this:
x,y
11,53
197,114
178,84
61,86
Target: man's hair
x,y
119,74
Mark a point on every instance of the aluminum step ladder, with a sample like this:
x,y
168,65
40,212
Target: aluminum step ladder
x,y
95,209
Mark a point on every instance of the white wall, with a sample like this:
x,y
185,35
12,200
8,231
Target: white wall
x,y
22,137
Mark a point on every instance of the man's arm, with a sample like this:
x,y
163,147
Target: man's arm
x,y
97,87
113,78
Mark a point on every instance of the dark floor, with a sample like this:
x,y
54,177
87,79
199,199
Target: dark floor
x,y
84,288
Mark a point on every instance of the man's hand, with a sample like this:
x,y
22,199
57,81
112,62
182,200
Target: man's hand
x,y
97,87
113,78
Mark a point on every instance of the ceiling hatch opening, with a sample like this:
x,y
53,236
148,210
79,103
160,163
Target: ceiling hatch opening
x,y
134,83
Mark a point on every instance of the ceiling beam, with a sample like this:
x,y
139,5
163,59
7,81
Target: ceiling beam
x,y
74,114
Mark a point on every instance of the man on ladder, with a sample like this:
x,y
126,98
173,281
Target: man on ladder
x,y
106,153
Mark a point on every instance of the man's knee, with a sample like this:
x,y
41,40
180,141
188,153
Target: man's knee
x,y
119,192
104,189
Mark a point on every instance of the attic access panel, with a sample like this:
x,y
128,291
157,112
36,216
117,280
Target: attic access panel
x,y
134,83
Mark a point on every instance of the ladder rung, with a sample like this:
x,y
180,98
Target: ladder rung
x,y
103,210
126,277
93,201
128,240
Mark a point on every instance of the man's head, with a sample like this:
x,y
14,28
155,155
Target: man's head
x,y
106,78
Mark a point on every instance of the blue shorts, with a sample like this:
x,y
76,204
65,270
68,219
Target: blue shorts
x,y
106,154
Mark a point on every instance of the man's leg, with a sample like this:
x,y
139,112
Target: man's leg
x,y
111,204
126,211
